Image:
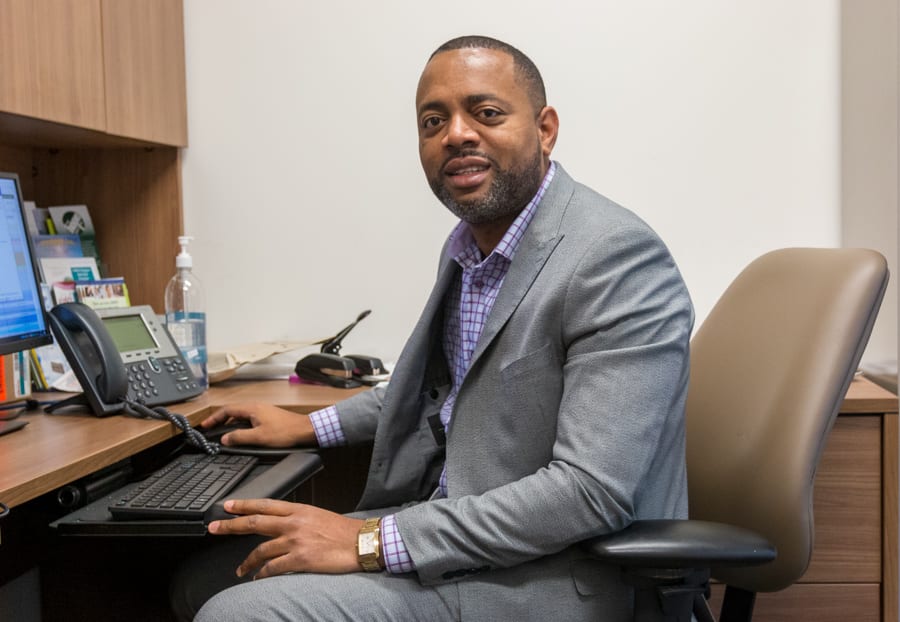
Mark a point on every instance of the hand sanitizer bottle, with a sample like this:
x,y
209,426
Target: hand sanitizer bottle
x,y
185,315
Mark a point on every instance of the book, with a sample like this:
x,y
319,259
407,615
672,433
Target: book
x,y
61,269
111,293
37,219
63,291
53,364
75,219
68,245
47,296
15,376
72,219
38,379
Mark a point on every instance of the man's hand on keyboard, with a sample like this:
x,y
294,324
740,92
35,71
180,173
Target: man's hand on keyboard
x,y
263,425
302,538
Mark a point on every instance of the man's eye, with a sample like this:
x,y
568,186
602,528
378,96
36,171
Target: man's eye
x,y
430,122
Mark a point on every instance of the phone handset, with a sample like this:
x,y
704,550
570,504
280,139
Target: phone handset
x,y
90,350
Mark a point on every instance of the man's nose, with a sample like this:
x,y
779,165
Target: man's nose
x,y
460,132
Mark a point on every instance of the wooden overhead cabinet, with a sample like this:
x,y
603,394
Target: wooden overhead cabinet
x,y
143,43
51,60
112,66
93,111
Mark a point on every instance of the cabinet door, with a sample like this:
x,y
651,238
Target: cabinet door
x,y
144,66
51,61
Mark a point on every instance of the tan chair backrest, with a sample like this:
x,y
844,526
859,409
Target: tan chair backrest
x,y
769,369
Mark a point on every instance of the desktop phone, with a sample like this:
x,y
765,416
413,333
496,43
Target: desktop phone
x,y
120,355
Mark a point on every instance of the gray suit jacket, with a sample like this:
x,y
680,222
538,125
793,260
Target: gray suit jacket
x,y
569,423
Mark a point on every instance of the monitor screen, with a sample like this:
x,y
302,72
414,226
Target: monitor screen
x,y
23,321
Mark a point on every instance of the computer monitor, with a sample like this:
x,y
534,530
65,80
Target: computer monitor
x,y
23,320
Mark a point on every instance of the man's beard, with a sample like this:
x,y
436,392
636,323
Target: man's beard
x,y
509,192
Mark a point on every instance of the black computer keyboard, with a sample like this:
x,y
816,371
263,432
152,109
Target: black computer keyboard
x,y
183,489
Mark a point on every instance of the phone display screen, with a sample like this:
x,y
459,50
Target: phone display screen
x,y
130,333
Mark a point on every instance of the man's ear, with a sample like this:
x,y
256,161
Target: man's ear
x,y
548,128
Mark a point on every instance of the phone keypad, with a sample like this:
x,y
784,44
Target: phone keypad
x,y
154,379
142,384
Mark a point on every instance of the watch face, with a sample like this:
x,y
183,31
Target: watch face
x,y
366,543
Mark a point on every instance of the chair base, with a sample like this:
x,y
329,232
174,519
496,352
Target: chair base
x,y
737,606
666,595
674,595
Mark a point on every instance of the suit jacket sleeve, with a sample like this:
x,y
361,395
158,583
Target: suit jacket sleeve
x,y
359,415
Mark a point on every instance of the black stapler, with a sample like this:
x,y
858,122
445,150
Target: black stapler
x,y
329,369
345,372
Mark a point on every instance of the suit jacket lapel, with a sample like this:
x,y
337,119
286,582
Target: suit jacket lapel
x,y
537,245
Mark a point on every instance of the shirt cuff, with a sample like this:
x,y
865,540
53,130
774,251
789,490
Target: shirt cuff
x,y
327,427
396,557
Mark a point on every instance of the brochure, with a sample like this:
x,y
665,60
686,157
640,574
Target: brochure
x,y
109,293
60,269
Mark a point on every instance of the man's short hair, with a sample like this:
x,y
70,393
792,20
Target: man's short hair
x,y
523,65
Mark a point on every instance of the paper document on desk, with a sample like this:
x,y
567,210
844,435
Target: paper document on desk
x,y
223,365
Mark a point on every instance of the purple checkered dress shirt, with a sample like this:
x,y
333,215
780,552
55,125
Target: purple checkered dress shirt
x,y
468,303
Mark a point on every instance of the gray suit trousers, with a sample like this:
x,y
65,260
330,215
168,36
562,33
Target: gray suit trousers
x,y
306,597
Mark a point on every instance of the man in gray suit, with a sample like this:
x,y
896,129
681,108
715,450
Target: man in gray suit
x,y
538,402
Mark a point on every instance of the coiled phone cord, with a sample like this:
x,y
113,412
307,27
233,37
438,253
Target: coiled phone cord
x,y
193,436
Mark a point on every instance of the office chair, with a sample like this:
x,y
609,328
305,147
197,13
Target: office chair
x,y
769,370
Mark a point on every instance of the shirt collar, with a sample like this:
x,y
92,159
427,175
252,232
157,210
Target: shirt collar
x,y
462,240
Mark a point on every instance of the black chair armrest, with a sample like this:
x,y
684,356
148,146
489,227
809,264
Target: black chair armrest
x,y
682,544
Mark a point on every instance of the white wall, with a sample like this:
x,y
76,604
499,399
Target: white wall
x,y
718,123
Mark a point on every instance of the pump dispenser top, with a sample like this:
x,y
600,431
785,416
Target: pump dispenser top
x,y
184,259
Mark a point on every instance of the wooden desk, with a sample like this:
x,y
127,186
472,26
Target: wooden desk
x,y
853,574
53,450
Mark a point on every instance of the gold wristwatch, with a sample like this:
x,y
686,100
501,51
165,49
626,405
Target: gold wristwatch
x,y
368,545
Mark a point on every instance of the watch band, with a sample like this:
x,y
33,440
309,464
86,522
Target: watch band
x,y
368,545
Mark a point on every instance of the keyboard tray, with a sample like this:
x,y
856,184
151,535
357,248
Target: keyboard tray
x,y
272,481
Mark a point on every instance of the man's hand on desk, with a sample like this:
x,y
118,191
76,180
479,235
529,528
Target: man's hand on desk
x,y
272,426
302,538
